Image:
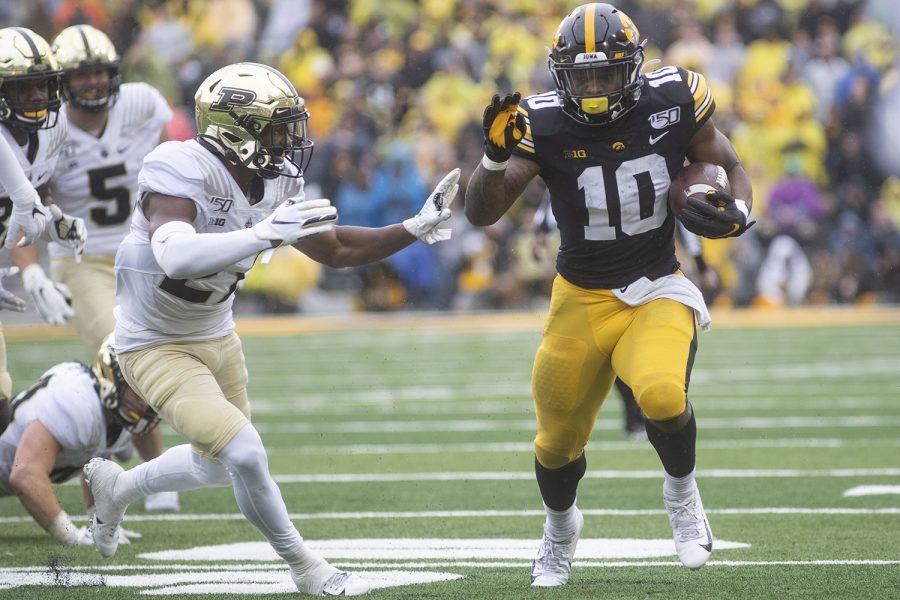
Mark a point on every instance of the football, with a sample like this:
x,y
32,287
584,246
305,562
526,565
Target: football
x,y
695,180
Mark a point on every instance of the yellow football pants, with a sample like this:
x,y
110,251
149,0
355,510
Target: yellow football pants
x,y
590,336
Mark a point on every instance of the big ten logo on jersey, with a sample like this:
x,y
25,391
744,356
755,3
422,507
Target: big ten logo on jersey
x,y
216,222
220,204
575,154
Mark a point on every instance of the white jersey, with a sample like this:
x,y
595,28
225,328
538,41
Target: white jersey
x,y
96,178
37,158
155,309
66,402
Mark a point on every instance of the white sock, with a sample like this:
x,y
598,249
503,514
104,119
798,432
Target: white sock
x,y
177,469
560,524
258,496
678,488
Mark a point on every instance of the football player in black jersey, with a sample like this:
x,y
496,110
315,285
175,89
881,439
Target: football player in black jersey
x,y
607,142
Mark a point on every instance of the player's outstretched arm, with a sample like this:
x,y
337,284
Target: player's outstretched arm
x,y
185,254
348,246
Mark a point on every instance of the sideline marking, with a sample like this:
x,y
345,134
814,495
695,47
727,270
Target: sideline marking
x,y
872,490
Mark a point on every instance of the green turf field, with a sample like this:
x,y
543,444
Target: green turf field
x,y
406,454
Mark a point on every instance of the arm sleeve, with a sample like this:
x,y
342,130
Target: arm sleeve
x,y
182,253
13,179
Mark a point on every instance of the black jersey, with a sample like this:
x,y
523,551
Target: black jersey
x,y
609,184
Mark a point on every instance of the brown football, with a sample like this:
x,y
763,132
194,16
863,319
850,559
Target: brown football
x,y
695,180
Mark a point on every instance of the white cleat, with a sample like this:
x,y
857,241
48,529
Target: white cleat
x,y
325,580
101,475
553,564
690,528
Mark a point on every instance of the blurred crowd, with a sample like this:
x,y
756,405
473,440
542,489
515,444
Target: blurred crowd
x,y
805,89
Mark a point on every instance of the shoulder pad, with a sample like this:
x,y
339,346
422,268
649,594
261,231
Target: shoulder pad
x,y
680,86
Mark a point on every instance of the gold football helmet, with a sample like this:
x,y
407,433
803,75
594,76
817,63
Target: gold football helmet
x,y
127,408
83,50
251,115
30,80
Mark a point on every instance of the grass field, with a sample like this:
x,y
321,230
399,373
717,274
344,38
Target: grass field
x,y
403,449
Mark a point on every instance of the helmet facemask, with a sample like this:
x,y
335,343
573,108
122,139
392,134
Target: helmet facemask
x,y
278,140
31,102
92,96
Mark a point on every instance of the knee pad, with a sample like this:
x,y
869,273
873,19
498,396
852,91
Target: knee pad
x,y
555,460
245,452
661,400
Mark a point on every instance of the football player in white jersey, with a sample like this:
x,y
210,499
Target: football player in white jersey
x,y
207,208
29,144
111,127
73,413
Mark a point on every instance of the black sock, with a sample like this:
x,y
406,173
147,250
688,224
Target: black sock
x,y
5,414
558,486
677,450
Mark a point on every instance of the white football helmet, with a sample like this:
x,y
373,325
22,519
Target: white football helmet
x,y
82,49
30,80
252,116
127,408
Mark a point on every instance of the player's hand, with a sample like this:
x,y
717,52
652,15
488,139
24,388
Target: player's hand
x,y
504,126
53,300
435,211
67,230
292,221
718,216
8,300
28,217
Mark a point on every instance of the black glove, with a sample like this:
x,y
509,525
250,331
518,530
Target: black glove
x,y
504,126
716,217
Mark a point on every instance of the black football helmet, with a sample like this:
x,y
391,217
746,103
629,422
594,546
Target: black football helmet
x,y
596,61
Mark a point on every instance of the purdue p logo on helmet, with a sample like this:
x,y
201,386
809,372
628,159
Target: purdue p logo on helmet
x,y
30,80
82,50
251,115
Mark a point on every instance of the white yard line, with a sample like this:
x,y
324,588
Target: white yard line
x,y
495,447
475,425
468,514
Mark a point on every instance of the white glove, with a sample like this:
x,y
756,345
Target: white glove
x,y
162,501
53,300
28,216
8,300
67,230
424,225
292,221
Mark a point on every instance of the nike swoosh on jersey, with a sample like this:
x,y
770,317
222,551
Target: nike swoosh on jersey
x,y
653,140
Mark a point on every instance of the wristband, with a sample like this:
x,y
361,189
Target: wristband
x,y
492,165
62,529
742,206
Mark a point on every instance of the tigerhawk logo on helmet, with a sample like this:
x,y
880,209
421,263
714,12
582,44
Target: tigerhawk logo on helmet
x,y
251,115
